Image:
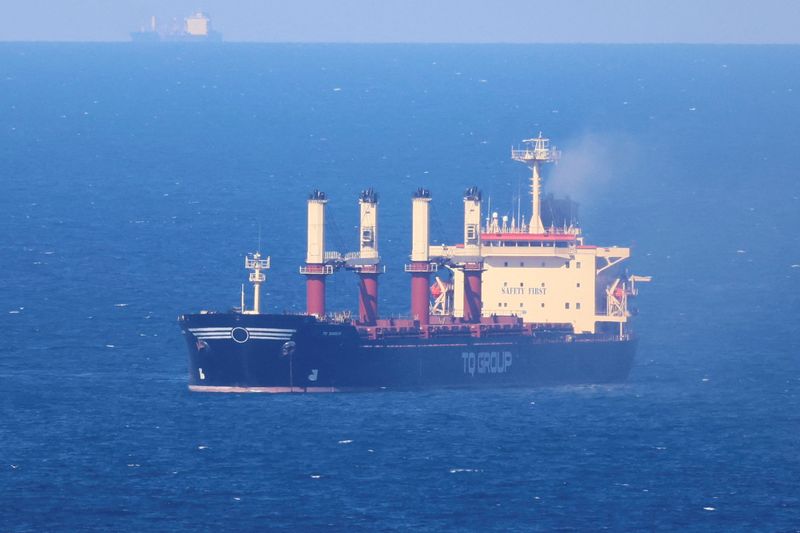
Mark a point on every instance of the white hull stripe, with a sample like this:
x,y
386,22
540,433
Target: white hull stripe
x,y
251,330
220,333
255,337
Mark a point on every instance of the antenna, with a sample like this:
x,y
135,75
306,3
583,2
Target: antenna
x,y
259,236
489,213
519,203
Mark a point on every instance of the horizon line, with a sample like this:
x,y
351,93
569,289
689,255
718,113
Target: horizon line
x,y
473,43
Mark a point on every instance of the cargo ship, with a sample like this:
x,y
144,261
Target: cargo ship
x,y
520,302
195,28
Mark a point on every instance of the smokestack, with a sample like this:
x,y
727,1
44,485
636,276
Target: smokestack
x,y
367,267
315,268
473,263
420,267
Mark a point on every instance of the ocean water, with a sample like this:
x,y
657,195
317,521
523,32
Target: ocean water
x,y
134,179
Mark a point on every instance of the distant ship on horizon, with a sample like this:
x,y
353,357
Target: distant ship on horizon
x,y
195,28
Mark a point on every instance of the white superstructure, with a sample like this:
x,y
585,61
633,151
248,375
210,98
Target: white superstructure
x,y
198,25
543,273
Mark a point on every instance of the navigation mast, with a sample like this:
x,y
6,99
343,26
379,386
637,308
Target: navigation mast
x,y
254,263
533,153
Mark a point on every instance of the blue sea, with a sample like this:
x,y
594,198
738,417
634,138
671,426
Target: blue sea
x,y
135,178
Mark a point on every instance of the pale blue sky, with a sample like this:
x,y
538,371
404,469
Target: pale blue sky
x,y
515,21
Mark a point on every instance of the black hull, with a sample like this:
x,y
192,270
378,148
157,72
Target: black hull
x,y
288,353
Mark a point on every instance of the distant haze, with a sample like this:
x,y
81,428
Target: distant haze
x,y
418,21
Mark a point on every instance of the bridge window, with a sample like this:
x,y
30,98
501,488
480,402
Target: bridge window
x,y
566,305
578,285
578,305
542,304
578,264
505,264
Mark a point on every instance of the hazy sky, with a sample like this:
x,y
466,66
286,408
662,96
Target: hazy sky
x,y
536,21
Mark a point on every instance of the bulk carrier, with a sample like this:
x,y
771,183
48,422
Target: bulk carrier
x,y
524,302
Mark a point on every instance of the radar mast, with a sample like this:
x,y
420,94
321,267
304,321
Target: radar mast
x,y
255,264
533,153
